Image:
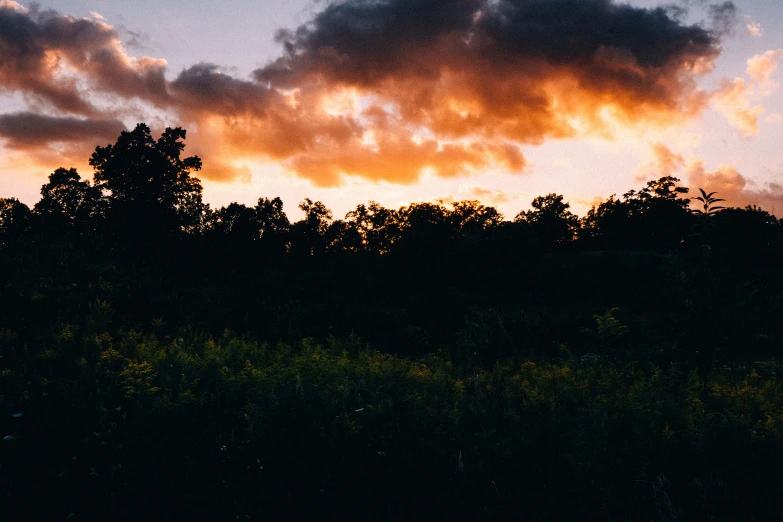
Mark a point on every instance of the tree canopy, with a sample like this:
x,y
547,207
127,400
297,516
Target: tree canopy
x,y
149,182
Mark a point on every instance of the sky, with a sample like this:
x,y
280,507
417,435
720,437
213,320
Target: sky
x,y
404,100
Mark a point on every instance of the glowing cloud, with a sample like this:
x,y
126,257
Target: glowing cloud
x,y
733,99
736,189
755,29
664,162
493,197
388,90
761,67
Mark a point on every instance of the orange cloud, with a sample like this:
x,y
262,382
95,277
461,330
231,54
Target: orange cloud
x,y
663,163
454,87
506,70
761,66
493,197
304,131
587,204
733,101
486,196
668,162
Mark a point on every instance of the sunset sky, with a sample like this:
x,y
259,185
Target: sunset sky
x,y
404,100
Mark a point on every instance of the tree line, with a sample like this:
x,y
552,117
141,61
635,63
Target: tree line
x,y
413,279
145,190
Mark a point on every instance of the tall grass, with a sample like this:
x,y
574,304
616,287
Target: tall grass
x,y
193,427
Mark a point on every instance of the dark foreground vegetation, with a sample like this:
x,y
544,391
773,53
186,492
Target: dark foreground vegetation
x,y
162,360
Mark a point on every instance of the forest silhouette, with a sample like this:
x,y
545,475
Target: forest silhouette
x,y
165,360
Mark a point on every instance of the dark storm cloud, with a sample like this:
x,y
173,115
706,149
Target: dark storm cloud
x,y
368,40
573,31
204,86
364,41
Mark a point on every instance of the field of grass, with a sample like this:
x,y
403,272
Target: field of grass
x,y
117,426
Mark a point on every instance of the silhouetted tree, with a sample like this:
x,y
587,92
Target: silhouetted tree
x,y
273,224
659,216
15,220
149,184
653,217
340,236
551,220
68,202
662,189
606,225
423,216
744,231
271,217
372,228
236,222
425,275
425,232
310,234
472,216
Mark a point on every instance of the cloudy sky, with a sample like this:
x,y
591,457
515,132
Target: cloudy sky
x,y
404,100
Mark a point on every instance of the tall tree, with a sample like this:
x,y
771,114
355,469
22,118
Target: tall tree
x,y
659,215
149,183
654,217
273,224
310,234
372,228
471,216
425,230
236,221
15,220
551,220
67,201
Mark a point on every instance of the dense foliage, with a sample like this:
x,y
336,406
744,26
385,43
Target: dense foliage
x,y
433,362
